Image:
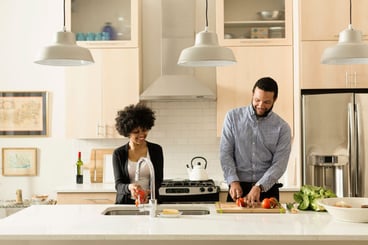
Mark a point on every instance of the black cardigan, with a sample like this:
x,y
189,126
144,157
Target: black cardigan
x,y
122,181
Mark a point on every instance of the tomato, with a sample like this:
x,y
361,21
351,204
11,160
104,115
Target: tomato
x,y
140,198
240,202
274,203
266,203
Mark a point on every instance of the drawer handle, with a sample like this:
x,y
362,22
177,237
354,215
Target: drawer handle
x,y
97,199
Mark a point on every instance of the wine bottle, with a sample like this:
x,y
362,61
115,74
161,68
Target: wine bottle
x,y
79,169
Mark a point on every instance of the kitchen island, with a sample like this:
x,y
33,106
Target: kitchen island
x,y
85,224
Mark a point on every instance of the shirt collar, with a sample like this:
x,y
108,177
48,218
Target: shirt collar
x,y
254,116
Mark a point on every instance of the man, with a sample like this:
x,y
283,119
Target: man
x,y
255,146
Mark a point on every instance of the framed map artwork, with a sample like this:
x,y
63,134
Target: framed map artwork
x,y
23,113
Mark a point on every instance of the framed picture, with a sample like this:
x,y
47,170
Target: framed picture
x,y
19,161
23,113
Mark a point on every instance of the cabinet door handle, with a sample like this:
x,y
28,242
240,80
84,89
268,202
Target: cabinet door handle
x,y
350,79
101,128
98,200
110,131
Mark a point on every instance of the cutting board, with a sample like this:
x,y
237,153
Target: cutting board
x,y
230,207
100,163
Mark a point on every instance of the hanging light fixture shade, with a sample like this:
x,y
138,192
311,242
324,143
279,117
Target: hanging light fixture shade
x,y
206,51
65,51
349,50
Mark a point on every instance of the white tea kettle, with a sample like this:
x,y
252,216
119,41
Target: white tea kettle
x,y
197,170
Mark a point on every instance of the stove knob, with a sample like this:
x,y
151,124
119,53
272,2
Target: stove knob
x,y
210,189
201,189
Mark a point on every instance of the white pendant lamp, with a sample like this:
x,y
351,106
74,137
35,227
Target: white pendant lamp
x,y
65,51
206,50
349,50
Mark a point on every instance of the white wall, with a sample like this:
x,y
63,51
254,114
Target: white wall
x,y
184,129
26,26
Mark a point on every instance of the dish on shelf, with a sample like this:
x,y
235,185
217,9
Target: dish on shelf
x,y
350,209
228,35
271,15
276,32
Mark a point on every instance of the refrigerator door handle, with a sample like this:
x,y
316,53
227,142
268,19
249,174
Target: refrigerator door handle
x,y
359,160
351,183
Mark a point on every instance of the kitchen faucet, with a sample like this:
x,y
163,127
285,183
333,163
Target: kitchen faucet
x,y
152,201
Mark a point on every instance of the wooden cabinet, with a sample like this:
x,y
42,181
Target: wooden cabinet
x,y
331,17
90,16
235,83
239,24
95,93
86,197
324,20
315,75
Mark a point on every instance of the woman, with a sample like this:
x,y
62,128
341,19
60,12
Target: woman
x,y
134,122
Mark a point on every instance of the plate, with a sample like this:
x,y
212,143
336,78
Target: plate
x,y
170,215
347,209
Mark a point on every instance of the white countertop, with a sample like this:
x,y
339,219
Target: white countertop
x,y
104,187
95,187
85,222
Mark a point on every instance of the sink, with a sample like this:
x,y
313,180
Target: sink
x,y
124,212
132,210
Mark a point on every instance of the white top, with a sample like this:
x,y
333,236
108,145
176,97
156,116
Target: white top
x,y
85,222
144,174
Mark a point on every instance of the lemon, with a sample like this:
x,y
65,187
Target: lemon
x,y
170,211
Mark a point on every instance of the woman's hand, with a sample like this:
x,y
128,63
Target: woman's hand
x,y
138,193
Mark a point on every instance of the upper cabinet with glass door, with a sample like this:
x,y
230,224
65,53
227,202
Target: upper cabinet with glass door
x,y
254,22
87,19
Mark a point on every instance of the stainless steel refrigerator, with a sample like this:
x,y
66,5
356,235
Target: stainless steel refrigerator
x,y
335,140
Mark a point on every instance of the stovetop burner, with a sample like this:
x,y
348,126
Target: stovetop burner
x,y
187,183
189,191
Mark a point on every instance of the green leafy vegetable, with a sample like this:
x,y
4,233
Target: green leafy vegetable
x,y
307,197
289,205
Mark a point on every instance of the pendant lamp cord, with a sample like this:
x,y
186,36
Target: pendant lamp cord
x,y
64,27
206,14
350,13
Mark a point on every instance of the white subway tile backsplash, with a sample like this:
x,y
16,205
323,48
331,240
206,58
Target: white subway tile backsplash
x,y
186,130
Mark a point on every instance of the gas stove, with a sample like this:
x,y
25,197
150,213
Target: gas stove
x,y
184,191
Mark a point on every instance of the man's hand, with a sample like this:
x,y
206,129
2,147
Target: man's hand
x,y
235,190
252,198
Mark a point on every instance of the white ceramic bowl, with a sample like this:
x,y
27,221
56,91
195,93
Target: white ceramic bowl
x,y
271,15
39,198
346,208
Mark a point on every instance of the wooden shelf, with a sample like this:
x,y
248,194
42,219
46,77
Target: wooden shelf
x,y
256,23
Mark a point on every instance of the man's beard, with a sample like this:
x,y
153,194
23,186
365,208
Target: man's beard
x,y
264,114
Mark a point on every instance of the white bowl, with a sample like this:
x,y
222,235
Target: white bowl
x,y
346,208
271,15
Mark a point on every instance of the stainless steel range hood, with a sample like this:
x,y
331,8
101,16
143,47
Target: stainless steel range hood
x,y
177,87
176,82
